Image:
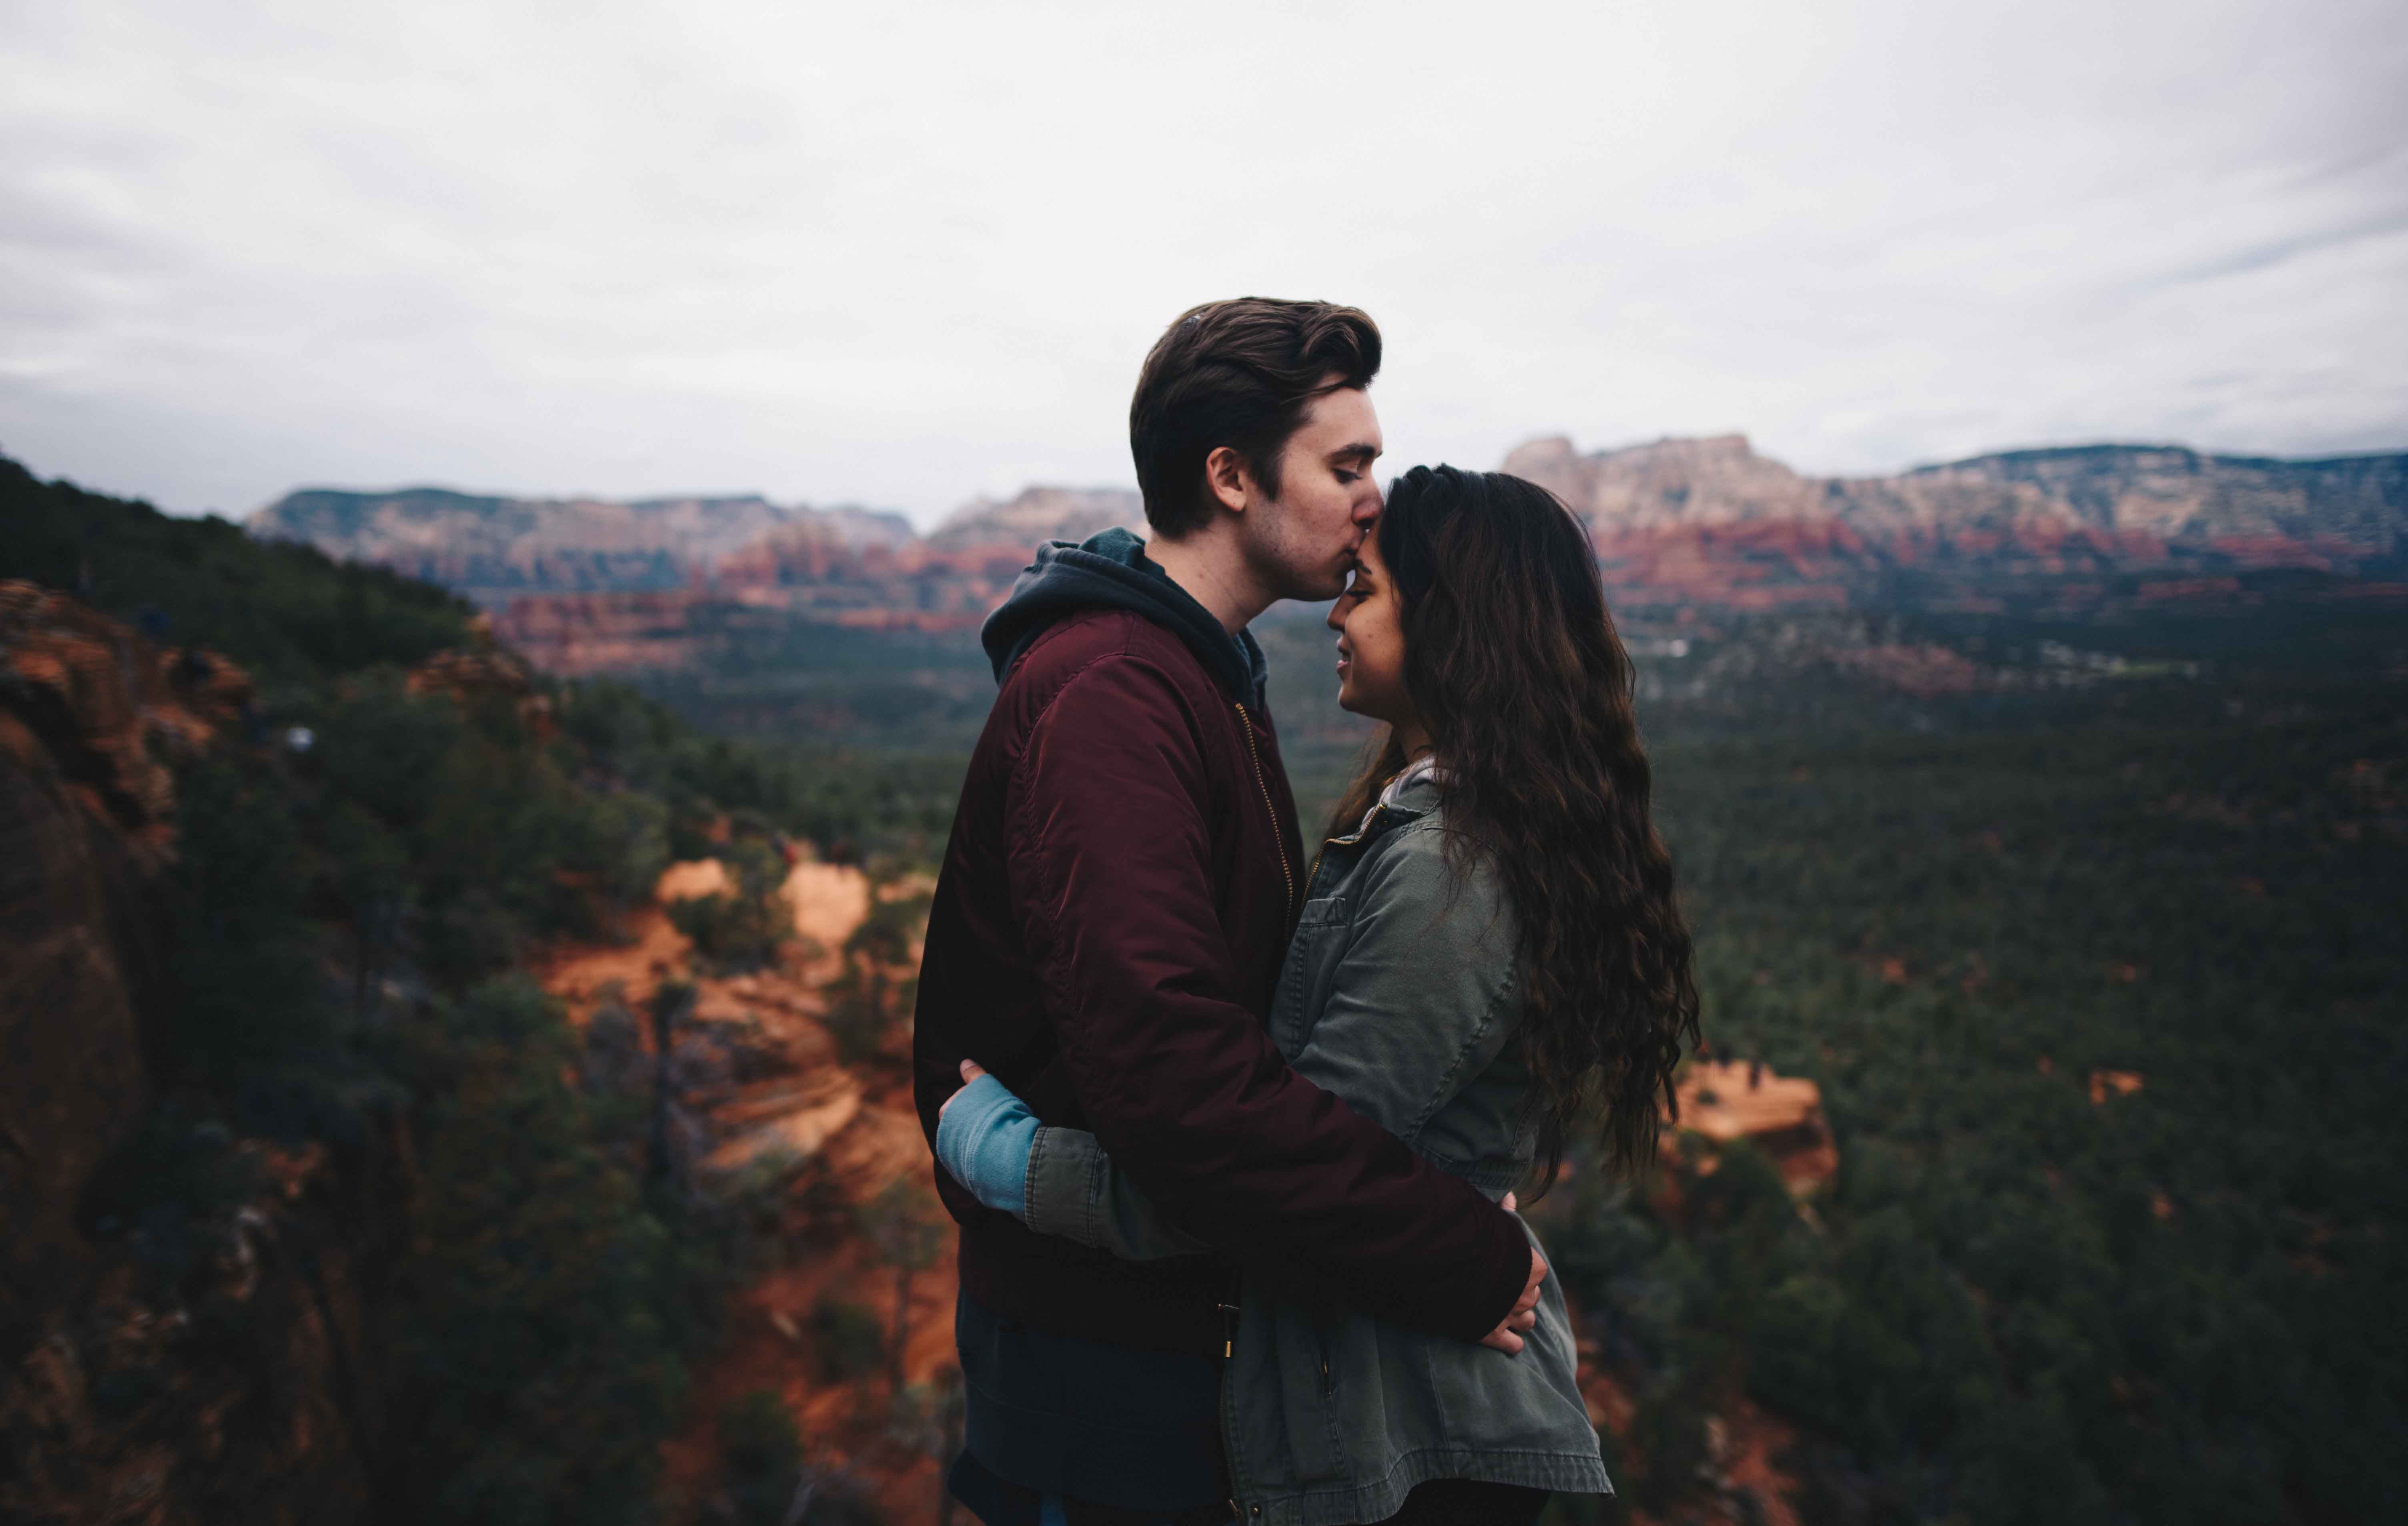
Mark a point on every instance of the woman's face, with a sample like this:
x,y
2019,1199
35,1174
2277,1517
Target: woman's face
x,y
1372,642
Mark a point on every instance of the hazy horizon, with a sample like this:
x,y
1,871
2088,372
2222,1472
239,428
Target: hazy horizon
x,y
924,522
905,259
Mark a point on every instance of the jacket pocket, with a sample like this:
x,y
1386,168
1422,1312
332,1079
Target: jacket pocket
x,y
1282,1385
1309,955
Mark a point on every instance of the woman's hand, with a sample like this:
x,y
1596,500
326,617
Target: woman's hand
x,y
1507,1336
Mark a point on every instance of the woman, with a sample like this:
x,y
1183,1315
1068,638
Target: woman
x,y
1490,958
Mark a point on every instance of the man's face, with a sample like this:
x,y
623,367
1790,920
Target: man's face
x,y
1302,544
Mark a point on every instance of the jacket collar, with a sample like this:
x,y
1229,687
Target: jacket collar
x,y
1415,791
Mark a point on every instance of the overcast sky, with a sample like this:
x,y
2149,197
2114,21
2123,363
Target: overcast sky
x,y
904,254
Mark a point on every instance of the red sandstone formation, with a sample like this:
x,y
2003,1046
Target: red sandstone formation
x,y
251,1419
1782,1116
108,710
575,634
492,547
763,1102
2112,1083
492,676
1680,526
815,568
1707,523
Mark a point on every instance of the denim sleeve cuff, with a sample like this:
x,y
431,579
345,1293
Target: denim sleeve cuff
x,y
983,1139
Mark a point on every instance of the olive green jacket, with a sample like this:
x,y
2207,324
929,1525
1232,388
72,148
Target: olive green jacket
x,y
1398,995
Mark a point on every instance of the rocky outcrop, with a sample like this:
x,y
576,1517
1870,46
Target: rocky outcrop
x,y
234,1395
1722,1101
762,1107
486,677
92,715
228,1391
104,711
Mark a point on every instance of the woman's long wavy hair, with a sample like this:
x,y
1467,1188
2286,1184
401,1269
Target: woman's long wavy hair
x,y
1513,664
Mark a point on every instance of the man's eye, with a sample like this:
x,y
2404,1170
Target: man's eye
x,y
1349,476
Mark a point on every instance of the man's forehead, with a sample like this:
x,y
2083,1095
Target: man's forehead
x,y
1342,423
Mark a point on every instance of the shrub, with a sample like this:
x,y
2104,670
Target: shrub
x,y
742,930
760,1460
849,1338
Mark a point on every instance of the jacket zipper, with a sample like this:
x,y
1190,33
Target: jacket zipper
x,y
1313,874
1230,1311
1287,875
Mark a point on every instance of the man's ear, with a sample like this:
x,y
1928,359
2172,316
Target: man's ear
x,y
1224,472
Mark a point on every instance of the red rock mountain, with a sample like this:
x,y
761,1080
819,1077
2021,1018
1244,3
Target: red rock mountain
x,y
492,547
1710,524
1698,525
591,585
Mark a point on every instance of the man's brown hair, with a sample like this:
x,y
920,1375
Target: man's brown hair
x,y
1240,373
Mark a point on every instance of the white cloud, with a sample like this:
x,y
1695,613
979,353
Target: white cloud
x,y
906,253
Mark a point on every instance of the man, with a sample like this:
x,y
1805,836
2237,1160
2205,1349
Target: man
x,y
1113,912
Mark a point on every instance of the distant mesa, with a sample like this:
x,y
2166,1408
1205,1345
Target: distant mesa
x,y
491,548
1037,515
1709,524
2352,505
589,585
1683,528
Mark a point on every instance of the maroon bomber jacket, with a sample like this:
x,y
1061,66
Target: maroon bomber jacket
x,y
1112,918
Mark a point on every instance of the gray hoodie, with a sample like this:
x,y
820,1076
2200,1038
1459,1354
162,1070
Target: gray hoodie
x,y
1111,571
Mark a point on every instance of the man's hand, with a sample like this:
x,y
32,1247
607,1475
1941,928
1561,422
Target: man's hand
x,y
1507,1336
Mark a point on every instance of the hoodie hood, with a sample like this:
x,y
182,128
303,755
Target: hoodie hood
x,y
1111,571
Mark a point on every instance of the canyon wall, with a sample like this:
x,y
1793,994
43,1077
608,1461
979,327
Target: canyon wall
x,y
229,1391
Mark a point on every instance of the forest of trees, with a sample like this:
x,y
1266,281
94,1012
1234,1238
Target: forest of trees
x,y
2029,1297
